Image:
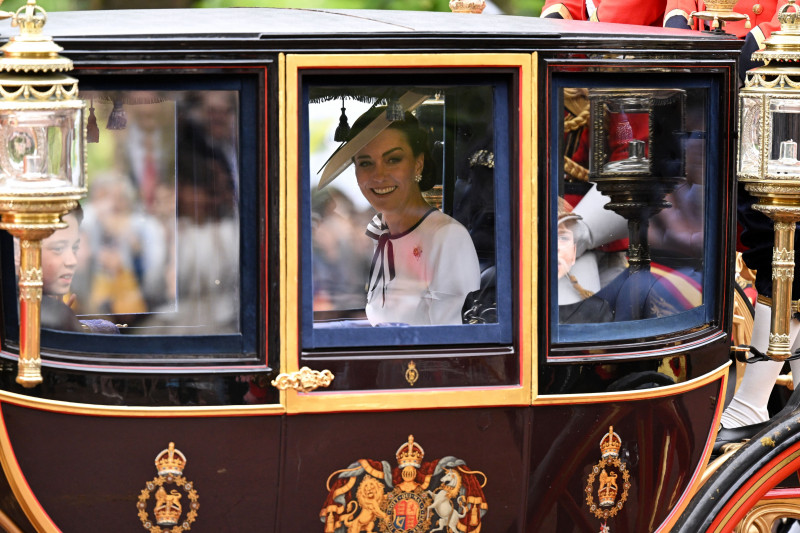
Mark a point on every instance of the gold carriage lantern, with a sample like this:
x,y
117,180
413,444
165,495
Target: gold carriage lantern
x,y
769,130
42,161
636,156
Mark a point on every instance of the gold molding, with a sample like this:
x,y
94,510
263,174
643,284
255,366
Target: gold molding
x,y
70,408
282,172
320,402
647,394
529,261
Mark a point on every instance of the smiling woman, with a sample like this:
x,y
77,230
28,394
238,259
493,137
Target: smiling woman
x,y
424,263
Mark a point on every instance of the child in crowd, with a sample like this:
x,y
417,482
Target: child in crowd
x,y
59,263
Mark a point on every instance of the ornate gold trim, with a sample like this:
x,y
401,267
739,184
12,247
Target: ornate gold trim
x,y
297,402
304,380
766,512
659,392
29,90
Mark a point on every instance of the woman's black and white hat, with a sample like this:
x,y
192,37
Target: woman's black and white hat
x,y
343,156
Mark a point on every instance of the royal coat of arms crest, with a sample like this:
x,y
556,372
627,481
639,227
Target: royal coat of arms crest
x,y
414,497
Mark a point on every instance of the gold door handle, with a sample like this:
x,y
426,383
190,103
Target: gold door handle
x,y
304,380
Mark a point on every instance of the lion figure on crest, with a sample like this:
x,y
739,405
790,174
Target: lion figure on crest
x,y
369,496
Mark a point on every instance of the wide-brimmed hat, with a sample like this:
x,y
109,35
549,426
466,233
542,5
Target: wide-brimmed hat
x,y
343,156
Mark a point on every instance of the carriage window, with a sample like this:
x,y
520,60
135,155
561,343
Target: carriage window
x,y
408,189
630,243
154,249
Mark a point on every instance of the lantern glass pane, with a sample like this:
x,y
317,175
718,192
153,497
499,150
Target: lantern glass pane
x,y
625,126
621,143
750,140
40,149
785,129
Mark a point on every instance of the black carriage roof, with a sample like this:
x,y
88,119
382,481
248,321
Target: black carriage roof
x,y
298,24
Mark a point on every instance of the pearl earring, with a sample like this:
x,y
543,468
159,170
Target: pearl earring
x,y
418,178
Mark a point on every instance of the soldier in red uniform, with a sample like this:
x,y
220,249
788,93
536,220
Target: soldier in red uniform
x,y
763,19
649,13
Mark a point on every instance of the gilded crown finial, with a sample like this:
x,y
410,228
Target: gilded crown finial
x,y
410,454
32,50
170,461
467,6
610,444
788,20
32,20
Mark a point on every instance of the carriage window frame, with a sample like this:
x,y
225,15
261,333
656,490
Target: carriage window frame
x,y
565,336
504,84
127,352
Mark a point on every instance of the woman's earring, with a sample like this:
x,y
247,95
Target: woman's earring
x,y
418,178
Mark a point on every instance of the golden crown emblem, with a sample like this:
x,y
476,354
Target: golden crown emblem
x,y
170,461
410,454
610,444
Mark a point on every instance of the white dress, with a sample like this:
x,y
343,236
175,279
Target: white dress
x,y
421,277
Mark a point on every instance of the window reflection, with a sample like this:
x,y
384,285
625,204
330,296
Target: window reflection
x,y
159,242
632,172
